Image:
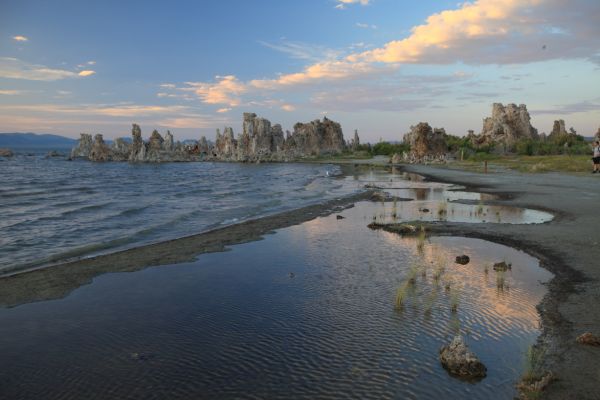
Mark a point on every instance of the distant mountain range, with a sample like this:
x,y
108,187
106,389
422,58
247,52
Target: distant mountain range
x,y
34,140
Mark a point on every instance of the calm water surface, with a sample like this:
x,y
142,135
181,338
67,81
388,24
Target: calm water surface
x,y
239,324
307,313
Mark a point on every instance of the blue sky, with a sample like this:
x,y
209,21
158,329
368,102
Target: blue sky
x,y
378,66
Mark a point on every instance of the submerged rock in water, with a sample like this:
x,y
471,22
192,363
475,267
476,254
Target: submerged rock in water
x,y
54,153
457,359
6,152
589,339
502,266
463,260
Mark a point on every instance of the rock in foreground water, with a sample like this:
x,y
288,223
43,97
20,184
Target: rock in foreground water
x,y
460,361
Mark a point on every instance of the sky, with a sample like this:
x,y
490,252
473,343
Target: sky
x,y
378,66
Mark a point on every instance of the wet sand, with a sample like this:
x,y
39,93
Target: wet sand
x,y
567,246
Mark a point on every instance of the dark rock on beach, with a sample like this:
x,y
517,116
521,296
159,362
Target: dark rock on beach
x,y
588,339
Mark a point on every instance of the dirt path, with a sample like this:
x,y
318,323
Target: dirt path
x,y
570,248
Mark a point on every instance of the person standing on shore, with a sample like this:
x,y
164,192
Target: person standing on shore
x,y
596,157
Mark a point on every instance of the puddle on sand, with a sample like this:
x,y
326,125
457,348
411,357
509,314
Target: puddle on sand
x,y
434,201
308,312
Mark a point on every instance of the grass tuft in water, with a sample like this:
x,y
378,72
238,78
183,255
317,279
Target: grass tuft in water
x,y
442,209
454,299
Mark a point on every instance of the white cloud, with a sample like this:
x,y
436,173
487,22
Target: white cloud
x,y
365,26
304,51
13,68
475,33
12,92
224,110
21,38
342,3
86,72
288,107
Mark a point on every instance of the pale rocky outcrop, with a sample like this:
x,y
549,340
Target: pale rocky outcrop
x,y
168,144
84,147
426,144
505,127
203,146
460,361
120,150
560,134
100,150
316,138
259,141
597,136
138,147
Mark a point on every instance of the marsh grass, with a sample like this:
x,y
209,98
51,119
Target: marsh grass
x,y
454,299
401,295
533,363
479,209
440,268
421,239
501,281
442,209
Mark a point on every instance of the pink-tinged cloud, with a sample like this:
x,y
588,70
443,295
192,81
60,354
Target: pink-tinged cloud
x,y
20,38
86,72
479,32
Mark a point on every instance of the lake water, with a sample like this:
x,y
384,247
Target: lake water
x,y
307,313
52,209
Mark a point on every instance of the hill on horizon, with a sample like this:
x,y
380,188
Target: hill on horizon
x,y
35,140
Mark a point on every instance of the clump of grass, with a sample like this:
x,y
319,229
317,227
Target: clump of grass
x,y
394,209
535,379
479,210
454,299
501,280
421,239
401,295
440,268
533,363
442,209
412,274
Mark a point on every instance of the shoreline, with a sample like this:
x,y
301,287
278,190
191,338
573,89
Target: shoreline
x,y
564,247
58,280
558,329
